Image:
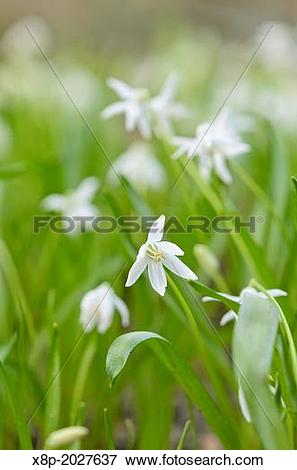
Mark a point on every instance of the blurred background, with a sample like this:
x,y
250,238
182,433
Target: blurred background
x,y
116,24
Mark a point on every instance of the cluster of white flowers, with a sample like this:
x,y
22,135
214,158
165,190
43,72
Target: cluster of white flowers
x,y
213,143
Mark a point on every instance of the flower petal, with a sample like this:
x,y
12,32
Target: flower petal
x,y
170,248
123,310
175,265
221,168
136,270
156,230
87,188
114,109
54,202
243,405
277,292
157,276
122,89
229,316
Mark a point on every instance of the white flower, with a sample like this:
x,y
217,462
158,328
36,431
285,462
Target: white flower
x,y
230,315
98,306
143,113
154,254
76,203
213,145
17,41
164,108
139,166
133,105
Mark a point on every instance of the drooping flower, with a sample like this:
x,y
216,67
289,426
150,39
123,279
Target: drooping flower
x,y
213,145
75,203
133,104
154,254
98,307
139,166
231,315
164,108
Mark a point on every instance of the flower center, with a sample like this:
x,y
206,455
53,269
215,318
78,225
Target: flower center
x,y
153,252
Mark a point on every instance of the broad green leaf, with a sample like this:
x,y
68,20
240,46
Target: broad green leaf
x,y
124,345
253,345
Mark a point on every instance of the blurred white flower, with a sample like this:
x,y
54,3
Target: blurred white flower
x,y
64,437
143,113
230,315
164,108
5,137
154,254
17,42
213,145
139,166
279,48
133,105
76,202
98,306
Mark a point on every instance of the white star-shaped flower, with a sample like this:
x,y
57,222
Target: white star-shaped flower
x,y
164,108
98,307
154,254
133,104
76,202
231,315
139,166
213,145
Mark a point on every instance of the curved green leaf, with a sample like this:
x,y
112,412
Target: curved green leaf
x,y
123,346
121,349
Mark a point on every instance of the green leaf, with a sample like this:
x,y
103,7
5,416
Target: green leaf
x,y
53,397
183,435
108,431
11,275
12,169
121,349
123,346
17,409
253,345
7,347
